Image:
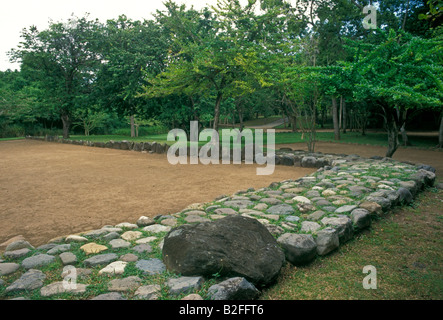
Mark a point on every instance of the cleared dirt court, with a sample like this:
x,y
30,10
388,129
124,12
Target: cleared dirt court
x,y
50,189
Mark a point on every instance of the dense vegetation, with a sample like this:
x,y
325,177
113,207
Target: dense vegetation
x,y
315,62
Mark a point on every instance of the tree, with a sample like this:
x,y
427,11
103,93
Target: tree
x,y
399,74
62,61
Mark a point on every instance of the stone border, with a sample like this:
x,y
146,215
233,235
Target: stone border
x,y
309,217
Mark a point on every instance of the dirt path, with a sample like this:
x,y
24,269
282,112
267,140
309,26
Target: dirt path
x,y
49,190
429,157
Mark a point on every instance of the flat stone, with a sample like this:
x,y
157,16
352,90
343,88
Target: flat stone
x,y
75,238
5,244
271,201
345,209
114,268
129,257
125,284
373,207
92,247
151,266
59,249
361,218
281,209
8,268
328,192
17,254
157,228
62,287
119,243
192,296
317,215
100,259
238,204
180,285
30,280
196,219
131,235
142,248
309,226
126,225
342,224
109,296
68,258
146,240
19,244
301,199
225,211
111,236
36,261
149,292
195,213
172,222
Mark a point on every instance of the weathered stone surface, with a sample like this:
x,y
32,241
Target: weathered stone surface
x,y
309,226
30,280
8,268
157,228
62,287
344,227
234,245
145,221
225,211
345,209
300,249
16,254
180,285
143,248
76,238
59,249
301,199
238,204
131,235
151,266
404,196
116,267
196,219
281,209
373,207
100,259
19,244
149,292
383,202
119,243
68,258
92,247
327,241
237,288
125,284
36,261
109,296
192,296
361,218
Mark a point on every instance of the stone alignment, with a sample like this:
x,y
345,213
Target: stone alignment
x,y
308,217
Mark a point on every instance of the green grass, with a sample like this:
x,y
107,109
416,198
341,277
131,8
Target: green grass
x,y
15,138
405,247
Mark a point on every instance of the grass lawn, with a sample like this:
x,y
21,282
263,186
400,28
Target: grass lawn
x,y
405,246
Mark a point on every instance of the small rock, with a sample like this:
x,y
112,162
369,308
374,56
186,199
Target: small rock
x,y
100,259
145,221
157,228
131,235
62,287
39,260
127,225
151,266
109,296
192,296
129,257
93,247
345,209
309,226
19,244
237,288
327,241
125,284
30,280
299,249
143,248
68,258
361,218
59,249
281,209
196,219
114,268
149,292
8,268
344,227
16,254
75,238
119,243
301,199
184,284
225,211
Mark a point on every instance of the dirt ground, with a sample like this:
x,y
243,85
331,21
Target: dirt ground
x,y
49,190
429,157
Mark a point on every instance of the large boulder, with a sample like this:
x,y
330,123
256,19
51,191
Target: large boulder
x,y
232,246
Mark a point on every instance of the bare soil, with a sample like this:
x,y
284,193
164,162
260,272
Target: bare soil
x,y
49,190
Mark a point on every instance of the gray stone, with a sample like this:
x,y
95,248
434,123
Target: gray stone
x,y
68,258
125,284
8,268
142,248
344,227
300,249
111,236
281,209
404,195
345,209
383,202
309,226
129,257
149,292
238,204
145,221
19,244
30,280
196,219
36,261
100,259
225,211
234,245
271,201
61,287
157,228
317,215
361,218
309,162
180,285
151,266
109,296
410,185
327,241
237,288
292,218
59,249
119,243
16,254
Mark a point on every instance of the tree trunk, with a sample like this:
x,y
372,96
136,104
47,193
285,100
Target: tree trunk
x,y
66,125
240,114
340,113
392,129
132,126
404,136
293,120
217,111
335,119
440,133
344,115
